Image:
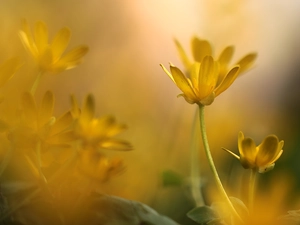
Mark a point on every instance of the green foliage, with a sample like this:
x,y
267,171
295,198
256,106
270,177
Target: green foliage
x,y
171,178
205,215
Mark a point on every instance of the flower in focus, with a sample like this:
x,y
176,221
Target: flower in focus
x,y
261,157
97,132
49,55
201,48
203,85
8,69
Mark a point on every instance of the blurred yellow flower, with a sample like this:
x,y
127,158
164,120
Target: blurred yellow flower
x,y
203,85
49,56
38,125
97,132
8,69
97,167
261,157
201,48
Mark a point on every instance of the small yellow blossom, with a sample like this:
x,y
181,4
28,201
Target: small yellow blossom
x,y
8,69
201,48
97,132
38,125
98,167
203,85
49,55
261,157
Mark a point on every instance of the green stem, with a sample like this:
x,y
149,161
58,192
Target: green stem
x,y
36,82
252,185
212,164
195,170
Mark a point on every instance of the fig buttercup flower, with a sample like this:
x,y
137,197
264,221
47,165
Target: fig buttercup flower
x,y
204,83
49,56
95,132
261,157
201,48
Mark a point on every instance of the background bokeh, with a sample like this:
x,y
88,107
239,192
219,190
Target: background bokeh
x,y
128,39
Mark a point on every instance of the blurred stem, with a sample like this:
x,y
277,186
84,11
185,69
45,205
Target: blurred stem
x,y
39,162
195,170
252,185
6,160
212,164
36,82
25,201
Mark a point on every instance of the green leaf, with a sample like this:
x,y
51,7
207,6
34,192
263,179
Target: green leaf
x,y
205,215
171,178
292,218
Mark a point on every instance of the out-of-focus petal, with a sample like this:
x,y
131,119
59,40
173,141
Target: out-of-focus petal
x,y
200,49
60,42
8,69
114,144
246,62
41,36
46,109
184,58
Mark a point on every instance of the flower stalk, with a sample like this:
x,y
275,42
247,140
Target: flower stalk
x,y
252,186
212,164
195,170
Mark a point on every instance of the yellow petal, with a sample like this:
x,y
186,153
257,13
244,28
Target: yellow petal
x,y
184,58
27,39
229,79
41,36
247,153
60,42
226,55
8,69
182,82
75,110
88,110
207,77
194,73
46,109
167,72
268,151
29,108
246,62
231,153
208,100
200,49
224,59
71,59
46,60
62,123
116,145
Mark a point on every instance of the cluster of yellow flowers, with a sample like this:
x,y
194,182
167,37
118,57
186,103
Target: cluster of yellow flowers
x,y
33,136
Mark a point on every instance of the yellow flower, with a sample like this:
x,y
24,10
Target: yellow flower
x,y
261,157
201,48
37,125
97,132
8,69
95,166
204,83
49,56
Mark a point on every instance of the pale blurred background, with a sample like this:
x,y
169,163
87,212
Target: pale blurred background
x,y
128,39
